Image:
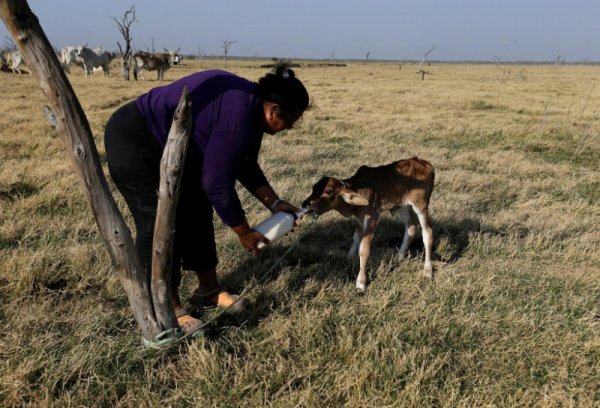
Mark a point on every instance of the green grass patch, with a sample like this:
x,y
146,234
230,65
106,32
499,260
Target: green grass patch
x,y
465,141
481,105
561,154
493,203
588,193
18,190
14,150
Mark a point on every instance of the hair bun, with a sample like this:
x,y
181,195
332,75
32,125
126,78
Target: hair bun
x,y
282,69
281,86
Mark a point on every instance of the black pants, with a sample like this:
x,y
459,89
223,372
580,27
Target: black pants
x,y
133,156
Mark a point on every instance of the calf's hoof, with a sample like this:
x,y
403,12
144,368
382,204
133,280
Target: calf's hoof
x,y
428,271
361,285
399,256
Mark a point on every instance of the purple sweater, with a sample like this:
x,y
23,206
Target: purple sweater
x,y
226,132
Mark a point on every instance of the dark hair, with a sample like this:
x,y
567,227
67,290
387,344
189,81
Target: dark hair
x,y
281,86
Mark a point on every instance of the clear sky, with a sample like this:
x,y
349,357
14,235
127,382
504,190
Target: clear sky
x,y
533,30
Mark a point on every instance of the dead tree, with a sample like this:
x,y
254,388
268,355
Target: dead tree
x,y
420,69
9,44
124,23
151,50
3,62
146,294
226,46
502,74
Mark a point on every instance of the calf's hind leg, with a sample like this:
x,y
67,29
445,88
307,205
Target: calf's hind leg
x,y
410,223
423,215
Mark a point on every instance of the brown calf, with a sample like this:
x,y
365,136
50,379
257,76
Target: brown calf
x,y
404,186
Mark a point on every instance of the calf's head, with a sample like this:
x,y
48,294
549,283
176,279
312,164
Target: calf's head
x,y
330,193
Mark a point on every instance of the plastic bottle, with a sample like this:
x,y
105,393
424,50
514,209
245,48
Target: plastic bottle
x,y
277,226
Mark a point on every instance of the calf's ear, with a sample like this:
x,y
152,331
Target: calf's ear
x,y
353,198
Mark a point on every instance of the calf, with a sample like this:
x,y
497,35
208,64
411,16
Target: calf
x,y
403,186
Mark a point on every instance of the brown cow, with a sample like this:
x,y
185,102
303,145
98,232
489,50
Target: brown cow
x,y
159,62
403,186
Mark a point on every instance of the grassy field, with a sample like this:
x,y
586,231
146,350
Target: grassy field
x,y
511,318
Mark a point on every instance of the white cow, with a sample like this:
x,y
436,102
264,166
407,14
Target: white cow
x,y
98,57
15,58
68,56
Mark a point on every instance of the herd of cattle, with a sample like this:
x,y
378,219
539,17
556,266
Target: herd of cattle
x,y
99,59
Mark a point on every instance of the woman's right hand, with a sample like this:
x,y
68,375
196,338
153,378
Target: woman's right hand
x,y
249,238
251,241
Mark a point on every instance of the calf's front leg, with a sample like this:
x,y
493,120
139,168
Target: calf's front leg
x,y
356,237
369,225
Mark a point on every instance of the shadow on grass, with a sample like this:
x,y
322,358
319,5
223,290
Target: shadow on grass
x,y
321,256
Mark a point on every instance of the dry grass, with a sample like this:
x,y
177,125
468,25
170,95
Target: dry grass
x,y
511,319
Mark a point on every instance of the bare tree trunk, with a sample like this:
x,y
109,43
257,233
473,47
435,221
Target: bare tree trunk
x,y
125,67
125,62
171,169
124,24
71,121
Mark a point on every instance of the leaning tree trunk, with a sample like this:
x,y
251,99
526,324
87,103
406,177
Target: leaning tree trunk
x,y
171,169
71,121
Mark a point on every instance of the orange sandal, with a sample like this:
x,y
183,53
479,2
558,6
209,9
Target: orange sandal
x,y
188,324
218,297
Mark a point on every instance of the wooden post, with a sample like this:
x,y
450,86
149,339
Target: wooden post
x,y
71,121
171,169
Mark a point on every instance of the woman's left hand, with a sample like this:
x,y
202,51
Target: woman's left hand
x,y
284,206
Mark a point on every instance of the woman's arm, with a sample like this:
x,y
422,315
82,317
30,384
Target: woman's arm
x,y
267,196
253,179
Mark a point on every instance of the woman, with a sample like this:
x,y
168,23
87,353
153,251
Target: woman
x,y
229,116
